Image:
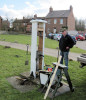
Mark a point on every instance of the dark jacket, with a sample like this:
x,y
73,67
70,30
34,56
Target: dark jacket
x,y
66,41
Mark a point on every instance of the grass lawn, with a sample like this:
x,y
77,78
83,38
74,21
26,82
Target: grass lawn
x,y
26,39
10,65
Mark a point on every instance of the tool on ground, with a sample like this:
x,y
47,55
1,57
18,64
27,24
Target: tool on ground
x,y
27,61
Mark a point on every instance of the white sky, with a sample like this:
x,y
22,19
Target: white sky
x,y
20,8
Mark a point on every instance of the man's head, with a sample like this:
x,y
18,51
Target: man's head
x,y
64,31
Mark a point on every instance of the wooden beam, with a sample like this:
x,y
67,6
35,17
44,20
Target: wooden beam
x,y
40,29
40,48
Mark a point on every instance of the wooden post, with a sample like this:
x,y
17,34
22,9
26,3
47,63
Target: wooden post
x,y
52,78
40,48
37,26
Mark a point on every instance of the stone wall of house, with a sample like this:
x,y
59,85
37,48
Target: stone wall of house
x,y
68,21
71,21
50,27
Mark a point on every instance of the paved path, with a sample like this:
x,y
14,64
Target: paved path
x,y
47,51
81,44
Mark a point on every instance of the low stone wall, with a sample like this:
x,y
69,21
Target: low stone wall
x,y
3,32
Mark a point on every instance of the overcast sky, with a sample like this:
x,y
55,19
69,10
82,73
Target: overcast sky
x,y
19,8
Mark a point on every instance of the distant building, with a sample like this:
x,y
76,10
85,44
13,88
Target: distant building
x,y
0,22
55,21
36,17
5,25
22,25
58,19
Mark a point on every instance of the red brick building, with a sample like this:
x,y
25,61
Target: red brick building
x,y
55,21
58,19
5,25
22,25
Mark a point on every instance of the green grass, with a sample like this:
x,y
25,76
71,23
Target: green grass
x,y
26,39
12,66
23,39
49,43
77,50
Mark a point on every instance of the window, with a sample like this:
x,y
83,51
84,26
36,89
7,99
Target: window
x,y
54,30
24,24
55,21
61,21
48,21
48,30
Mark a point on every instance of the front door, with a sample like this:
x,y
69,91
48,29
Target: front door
x,y
54,31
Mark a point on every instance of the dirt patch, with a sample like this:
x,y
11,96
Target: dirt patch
x,y
17,56
25,74
15,82
7,47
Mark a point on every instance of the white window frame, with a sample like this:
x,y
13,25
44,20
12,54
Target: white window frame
x,y
55,21
24,24
48,21
61,21
48,30
54,30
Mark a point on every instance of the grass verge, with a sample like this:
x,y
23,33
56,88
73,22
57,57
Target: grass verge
x,y
26,39
10,65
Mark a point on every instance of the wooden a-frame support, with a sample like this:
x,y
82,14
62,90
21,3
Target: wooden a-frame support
x,y
52,78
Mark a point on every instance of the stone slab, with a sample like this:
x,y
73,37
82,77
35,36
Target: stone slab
x,y
15,82
60,91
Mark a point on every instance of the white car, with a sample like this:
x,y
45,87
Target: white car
x,y
57,37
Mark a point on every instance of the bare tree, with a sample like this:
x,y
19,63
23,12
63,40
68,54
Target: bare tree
x,y
80,24
29,16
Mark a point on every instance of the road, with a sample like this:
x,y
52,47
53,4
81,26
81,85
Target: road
x,y
47,51
81,44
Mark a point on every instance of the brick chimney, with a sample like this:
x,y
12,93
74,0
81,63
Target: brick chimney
x,y
71,8
0,17
50,9
23,17
35,16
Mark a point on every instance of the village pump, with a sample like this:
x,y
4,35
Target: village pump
x,y
47,79
37,53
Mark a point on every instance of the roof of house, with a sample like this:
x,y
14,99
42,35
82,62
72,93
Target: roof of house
x,y
0,17
5,22
58,13
43,18
17,21
22,21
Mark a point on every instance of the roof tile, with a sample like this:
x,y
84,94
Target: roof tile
x,y
59,13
